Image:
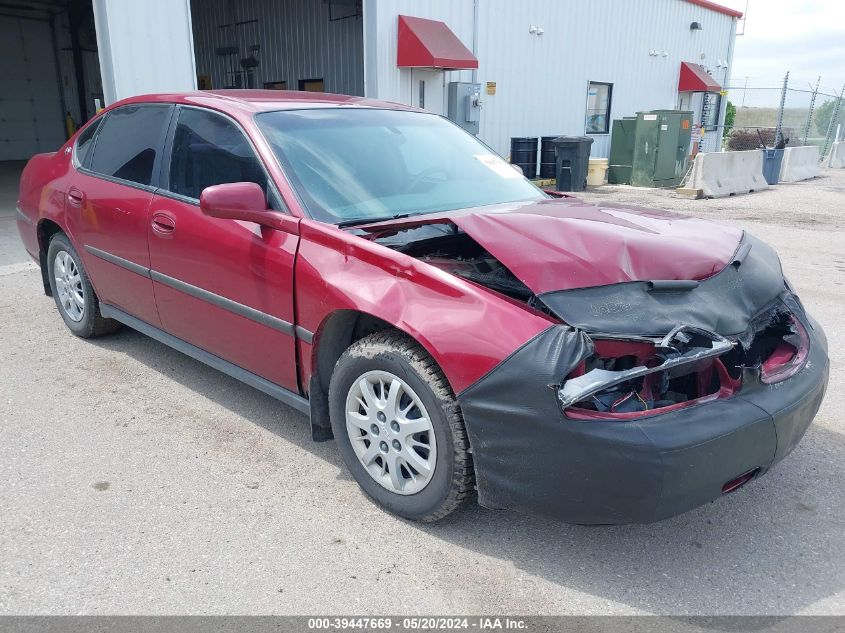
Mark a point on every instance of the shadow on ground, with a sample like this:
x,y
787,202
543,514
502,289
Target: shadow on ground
x,y
772,547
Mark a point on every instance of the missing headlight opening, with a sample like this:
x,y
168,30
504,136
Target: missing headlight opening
x,y
627,379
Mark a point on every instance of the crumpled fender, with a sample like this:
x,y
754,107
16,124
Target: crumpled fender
x,y
466,329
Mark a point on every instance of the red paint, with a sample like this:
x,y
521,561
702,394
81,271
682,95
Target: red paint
x,y
431,44
468,330
718,8
236,260
693,78
582,245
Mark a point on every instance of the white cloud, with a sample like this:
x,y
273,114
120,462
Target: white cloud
x,y
804,37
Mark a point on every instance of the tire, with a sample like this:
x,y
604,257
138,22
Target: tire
x,y
425,496
72,290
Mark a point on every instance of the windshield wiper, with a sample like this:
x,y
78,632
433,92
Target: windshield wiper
x,y
384,218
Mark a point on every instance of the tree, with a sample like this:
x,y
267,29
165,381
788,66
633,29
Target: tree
x,y
730,117
822,115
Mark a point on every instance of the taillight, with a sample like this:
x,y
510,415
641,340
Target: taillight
x,y
788,357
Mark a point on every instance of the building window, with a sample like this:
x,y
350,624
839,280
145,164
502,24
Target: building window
x,y
710,106
598,108
312,85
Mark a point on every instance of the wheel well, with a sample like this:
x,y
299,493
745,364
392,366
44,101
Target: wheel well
x,y
336,334
45,231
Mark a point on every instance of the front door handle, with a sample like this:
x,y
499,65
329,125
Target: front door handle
x,y
163,224
75,197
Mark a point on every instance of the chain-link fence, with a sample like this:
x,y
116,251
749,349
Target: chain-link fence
x,y
787,113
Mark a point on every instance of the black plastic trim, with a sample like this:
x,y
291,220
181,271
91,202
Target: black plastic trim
x,y
222,302
119,261
239,373
304,335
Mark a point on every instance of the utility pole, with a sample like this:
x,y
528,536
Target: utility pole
x,y
810,112
744,90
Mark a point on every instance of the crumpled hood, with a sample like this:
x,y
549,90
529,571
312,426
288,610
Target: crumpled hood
x,y
563,244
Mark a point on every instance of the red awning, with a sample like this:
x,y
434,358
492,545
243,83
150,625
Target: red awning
x,y
431,44
695,79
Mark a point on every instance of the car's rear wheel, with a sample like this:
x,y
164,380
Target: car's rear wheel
x,y
399,427
72,290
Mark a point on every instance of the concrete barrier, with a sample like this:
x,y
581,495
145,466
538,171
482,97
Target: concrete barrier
x,y
719,174
836,158
800,163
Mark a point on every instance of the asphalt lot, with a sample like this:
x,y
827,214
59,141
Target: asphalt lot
x,y
138,481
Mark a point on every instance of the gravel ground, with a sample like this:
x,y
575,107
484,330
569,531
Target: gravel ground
x,y
138,481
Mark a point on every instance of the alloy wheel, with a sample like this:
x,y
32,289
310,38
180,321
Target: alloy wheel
x,y
69,286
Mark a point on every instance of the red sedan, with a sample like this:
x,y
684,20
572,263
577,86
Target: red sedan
x,y
457,330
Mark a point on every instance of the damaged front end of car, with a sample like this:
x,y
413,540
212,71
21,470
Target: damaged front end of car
x,y
650,393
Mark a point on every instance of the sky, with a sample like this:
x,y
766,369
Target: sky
x,y
805,37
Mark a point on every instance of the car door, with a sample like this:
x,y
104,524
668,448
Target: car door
x,y
108,204
225,286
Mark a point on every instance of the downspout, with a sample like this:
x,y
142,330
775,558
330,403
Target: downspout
x,y
723,104
475,38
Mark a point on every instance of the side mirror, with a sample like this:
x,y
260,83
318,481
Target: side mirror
x,y
238,201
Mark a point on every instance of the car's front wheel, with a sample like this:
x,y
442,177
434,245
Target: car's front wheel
x,y
399,427
73,292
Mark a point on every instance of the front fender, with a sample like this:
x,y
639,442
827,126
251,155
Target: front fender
x,y
466,329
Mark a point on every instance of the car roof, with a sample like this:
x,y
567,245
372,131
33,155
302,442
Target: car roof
x,y
252,101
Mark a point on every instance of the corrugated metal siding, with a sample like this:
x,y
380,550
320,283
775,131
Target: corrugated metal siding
x,y
297,40
144,46
541,81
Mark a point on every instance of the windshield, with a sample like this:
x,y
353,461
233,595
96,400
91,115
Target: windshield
x,y
355,164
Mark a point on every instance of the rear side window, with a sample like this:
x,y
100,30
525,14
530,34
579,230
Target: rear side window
x,y
128,141
208,149
85,143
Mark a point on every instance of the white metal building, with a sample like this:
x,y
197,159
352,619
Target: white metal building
x,y
545,67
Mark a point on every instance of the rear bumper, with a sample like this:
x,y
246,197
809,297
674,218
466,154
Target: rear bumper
x,y
531,458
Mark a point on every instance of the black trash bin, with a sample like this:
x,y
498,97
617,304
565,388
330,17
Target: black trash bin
x,y
772,159
524,154
548,162
573,159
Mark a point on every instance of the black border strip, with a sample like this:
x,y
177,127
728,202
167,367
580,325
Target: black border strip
x,y
119,261
239,373
240,309
222,302
304,335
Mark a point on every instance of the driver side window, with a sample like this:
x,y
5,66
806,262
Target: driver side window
x,y
208,149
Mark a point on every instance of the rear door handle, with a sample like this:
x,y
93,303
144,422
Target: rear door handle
x,y
75,197
163,224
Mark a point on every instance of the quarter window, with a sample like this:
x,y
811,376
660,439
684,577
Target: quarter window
x,y
598,108
128,142
85,143
208,149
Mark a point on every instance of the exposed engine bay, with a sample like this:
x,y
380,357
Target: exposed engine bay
x,y
446,247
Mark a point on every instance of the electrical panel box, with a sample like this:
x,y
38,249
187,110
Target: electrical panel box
x,y
465,105
651,150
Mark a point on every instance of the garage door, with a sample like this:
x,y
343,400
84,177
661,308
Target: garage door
x,y
31,118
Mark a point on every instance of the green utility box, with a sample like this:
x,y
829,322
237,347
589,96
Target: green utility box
x,y
621,151
651,149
